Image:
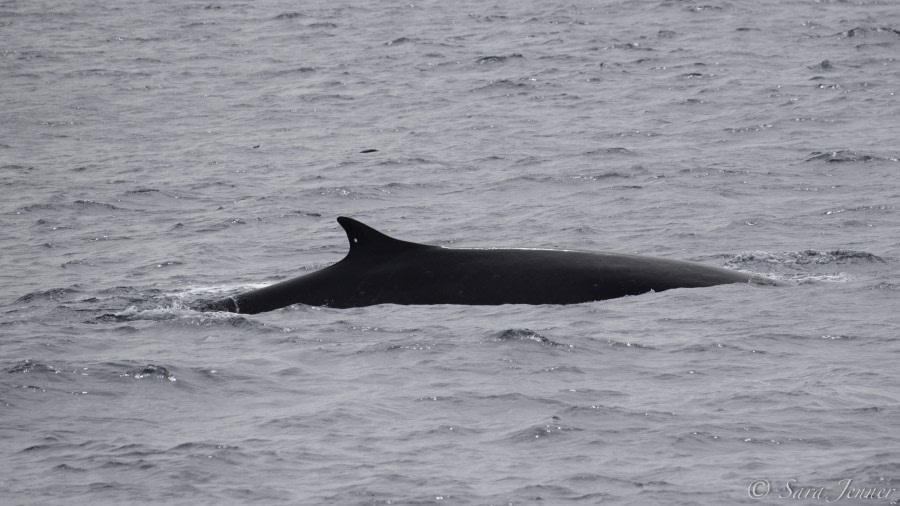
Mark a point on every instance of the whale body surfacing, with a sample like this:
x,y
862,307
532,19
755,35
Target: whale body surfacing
x,y
382,270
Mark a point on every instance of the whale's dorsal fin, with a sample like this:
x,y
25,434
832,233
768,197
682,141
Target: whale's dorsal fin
x,y
368,242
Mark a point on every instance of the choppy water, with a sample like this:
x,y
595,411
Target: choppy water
x,y
153,153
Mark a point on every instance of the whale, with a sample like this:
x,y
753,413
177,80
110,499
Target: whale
x,y
380,269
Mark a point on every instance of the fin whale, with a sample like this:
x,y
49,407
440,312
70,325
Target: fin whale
x,y
382,270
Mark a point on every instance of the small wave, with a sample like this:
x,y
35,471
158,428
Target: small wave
x,y
398,41
505,84
868,31
609,151
627,345
150,371
290,15
805,257
513,335
176,312
28,366
34,207
845,156
752,128
876,209
93,203
541,432
213,291
822,66
390,347
496,59
52,294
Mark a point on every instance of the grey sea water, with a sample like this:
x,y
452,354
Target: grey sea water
x,y
156,153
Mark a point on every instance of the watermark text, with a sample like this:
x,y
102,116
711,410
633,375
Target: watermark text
x,y
844,490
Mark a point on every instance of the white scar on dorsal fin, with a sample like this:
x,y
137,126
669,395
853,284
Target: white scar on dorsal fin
x,y
368,242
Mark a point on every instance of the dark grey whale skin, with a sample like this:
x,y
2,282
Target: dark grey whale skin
x,y
382,270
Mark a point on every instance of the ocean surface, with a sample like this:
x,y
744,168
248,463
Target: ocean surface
x,y
153,154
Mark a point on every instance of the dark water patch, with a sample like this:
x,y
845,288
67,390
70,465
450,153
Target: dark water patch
x,y
562,369
601,177
109,318
222,225
703,8
490,18
66,468
30,388
609,151
693,438
290,15
76,263
441,398
61,123
117,74
417,161
531,179
398,347
790,336
399,41
201,448
51,294
700,172
834,337
886,473
266,74
200,23
822,66
749,129
150,371
486,60
30,208
627,345
539,493
122,291
30,366
845,156
636,133
529,161
327,97
396,187
92,203
507,84
154,266
870,31
876,209
553,429
701,348
13,166
527,335
628,46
